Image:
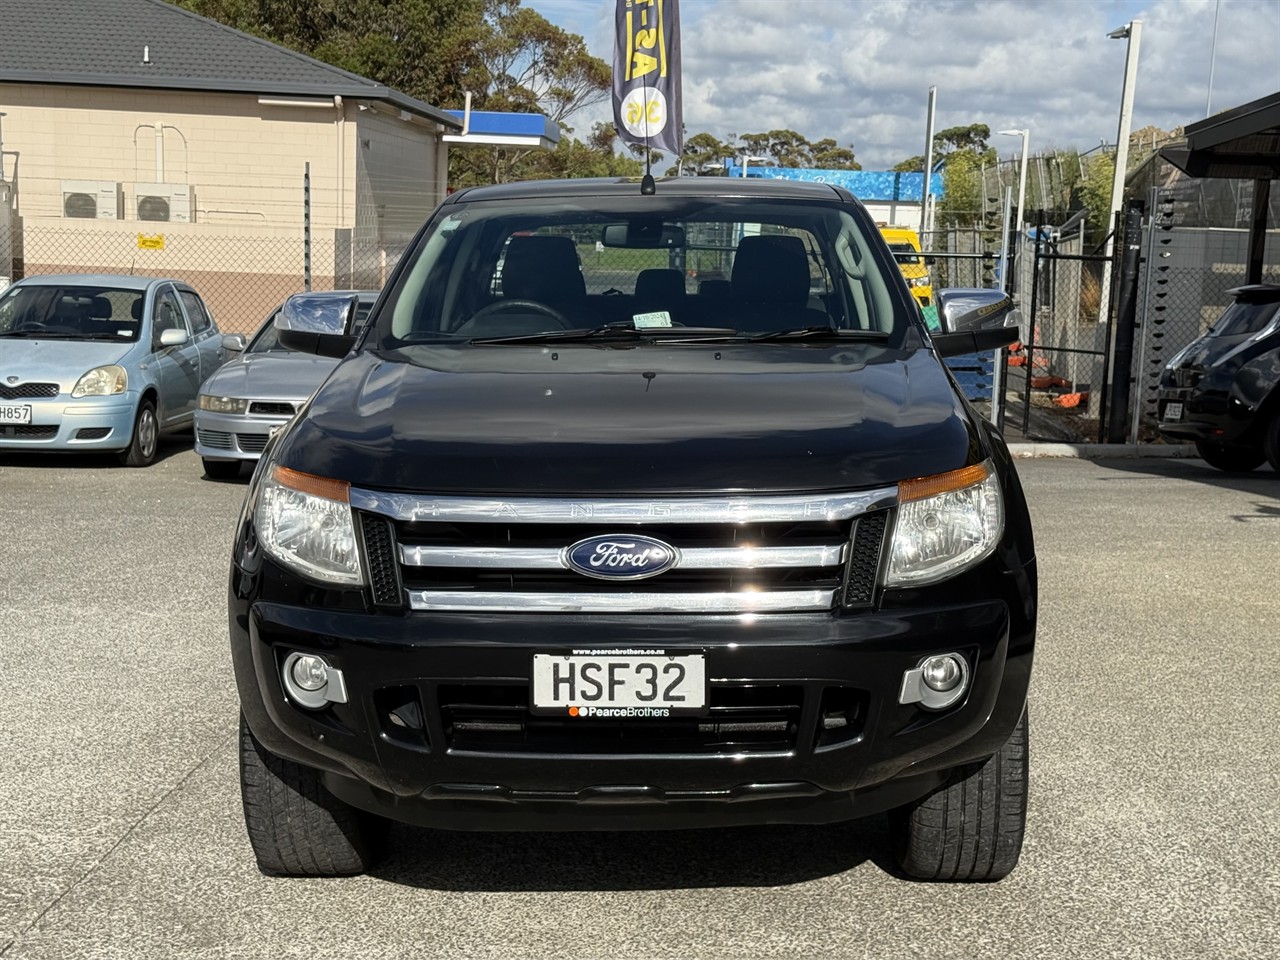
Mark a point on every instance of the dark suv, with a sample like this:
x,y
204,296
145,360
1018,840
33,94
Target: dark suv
x,y
1223,390
638,506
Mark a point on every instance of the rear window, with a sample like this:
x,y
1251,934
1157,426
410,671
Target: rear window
x,y
57,312
511,268
1244,319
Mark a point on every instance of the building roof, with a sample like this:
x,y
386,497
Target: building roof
x,y
102,44
1240,143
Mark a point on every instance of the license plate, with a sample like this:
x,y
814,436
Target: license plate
x,y
15,413
608,685
1173,411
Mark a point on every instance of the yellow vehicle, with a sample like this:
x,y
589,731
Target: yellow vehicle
x,y
905,246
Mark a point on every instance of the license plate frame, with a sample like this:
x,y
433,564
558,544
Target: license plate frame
x,y
675,674
1173,411
22,416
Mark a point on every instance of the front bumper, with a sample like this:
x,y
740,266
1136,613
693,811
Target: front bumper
x,y
226,436
810,670
1212,415
63,423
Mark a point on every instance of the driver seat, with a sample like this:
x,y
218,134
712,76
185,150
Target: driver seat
x,y
545,269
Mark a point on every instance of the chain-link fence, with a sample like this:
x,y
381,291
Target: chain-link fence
x,y
241,274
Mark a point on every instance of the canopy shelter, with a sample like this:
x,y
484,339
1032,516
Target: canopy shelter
x,y
1238,144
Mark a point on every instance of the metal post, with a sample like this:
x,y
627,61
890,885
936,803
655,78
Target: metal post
x,y
928,159
1133,33
1028,348
1006,211
1126,315
1213,53
1141,325
306,227
1258,230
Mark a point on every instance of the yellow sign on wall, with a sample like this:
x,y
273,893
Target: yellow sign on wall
x,y
153,242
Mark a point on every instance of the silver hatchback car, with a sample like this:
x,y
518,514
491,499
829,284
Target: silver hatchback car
x,y
97,362
258,392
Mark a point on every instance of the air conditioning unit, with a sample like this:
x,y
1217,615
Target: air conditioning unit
x,y
91,199
163,202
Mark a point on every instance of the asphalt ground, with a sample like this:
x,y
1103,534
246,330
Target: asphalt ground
x,y
1154,815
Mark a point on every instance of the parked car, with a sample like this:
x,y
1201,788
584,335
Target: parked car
x,y
99,362
1222,391
574,547
905,245
258,391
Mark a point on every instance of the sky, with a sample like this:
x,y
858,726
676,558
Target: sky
x,y
859,71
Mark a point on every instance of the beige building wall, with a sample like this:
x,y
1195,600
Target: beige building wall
x,y
243,162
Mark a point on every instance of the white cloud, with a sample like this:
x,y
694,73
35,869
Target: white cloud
x,y
860,71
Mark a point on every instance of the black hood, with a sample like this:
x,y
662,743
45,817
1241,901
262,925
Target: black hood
x,y
536,420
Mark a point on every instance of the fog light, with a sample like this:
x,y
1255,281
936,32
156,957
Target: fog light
x,y
941,673
311,681
936,682
310,673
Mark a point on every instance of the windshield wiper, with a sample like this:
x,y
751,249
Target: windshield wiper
x,y
43,335
821,333
624,330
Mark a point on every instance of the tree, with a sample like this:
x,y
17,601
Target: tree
x,y
787,148
910,165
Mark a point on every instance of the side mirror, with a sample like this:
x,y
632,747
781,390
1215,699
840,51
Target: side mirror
x,y
973,320
173,338
234,342
318,323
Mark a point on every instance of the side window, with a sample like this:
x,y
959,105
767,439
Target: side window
x,y
196,313
168,316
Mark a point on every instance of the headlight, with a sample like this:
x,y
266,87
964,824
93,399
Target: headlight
x,y
305,522
944,523
223,404
101,382
918,282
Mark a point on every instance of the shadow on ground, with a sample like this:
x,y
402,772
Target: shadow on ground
x,y
1264,482
649,860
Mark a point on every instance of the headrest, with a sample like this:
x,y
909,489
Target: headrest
x,y
100,308
771,269
135,308
660,286
545,269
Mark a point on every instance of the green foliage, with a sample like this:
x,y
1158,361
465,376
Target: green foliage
x,y
786,148
1095,194
962,188
910,165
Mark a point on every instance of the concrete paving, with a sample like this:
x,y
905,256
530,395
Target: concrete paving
x,y
1154,815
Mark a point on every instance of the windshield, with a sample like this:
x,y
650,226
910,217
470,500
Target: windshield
x,y
676,267
905,253
57,312
1244,319
267,339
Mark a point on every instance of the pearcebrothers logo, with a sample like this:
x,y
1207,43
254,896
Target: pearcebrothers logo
x,y
619,712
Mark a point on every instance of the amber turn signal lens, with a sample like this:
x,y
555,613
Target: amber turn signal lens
x,y
923,488
339,490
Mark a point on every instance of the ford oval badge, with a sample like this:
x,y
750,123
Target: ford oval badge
x,y
619,557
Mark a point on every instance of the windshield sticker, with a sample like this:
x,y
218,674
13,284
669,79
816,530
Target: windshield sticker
x,y
658,318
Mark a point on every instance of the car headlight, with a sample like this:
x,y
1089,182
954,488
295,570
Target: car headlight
x,y
304,521
102,382
223,404
918,282
944,524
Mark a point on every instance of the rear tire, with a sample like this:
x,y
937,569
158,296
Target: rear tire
x,y
145,443
1230,459
296,827
221,469
972,828
1271,441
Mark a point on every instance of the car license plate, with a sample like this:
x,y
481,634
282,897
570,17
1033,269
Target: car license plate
x,y
608,684
1173,411
15,413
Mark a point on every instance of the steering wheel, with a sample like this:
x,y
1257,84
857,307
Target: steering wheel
x,y
537,306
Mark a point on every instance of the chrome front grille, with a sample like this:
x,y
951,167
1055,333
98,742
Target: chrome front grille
x,y
735,555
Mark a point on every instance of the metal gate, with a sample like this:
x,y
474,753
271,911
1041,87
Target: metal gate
x,y
1059,370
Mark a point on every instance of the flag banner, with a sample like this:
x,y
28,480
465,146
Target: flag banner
x,y
646,74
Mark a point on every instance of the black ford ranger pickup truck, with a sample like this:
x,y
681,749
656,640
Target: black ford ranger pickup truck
x,y
637,506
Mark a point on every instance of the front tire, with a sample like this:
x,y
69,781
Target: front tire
x,y
296,827
145,443
1230,459
221,469
972,828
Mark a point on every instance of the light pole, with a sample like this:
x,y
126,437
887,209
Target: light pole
x,y
746,161
1132,32
1022,182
